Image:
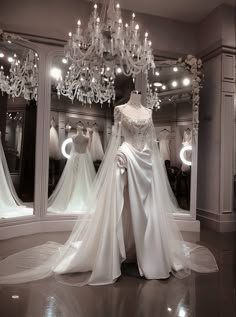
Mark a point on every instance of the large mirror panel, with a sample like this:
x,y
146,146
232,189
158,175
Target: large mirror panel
x,y
18,109
79,134
170,89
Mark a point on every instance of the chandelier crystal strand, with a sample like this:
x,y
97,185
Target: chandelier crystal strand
x,y
109,39
152,97
23,77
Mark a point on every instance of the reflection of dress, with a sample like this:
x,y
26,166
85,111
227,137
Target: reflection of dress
x,y
97,244
89,133
187,140
76,179
164,143
96,146
10,204
54,148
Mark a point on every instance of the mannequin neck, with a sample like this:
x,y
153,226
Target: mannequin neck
x,y
135,100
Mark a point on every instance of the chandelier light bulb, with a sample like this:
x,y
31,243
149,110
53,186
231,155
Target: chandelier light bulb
x,y
98,20
157,73
35,66
150,43
79,23
64,61
126,25
175,69
163,87
70,34
9,41
10,59
146,34
2,55
137,27
55,73
120,21
95,6
118,6
186,81
14,55
1,67
156,84
133,15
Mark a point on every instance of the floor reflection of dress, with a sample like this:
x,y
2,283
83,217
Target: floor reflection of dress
x,y
76,179
10,204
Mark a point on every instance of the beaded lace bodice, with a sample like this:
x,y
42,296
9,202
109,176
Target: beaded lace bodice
x,y
80,143
137,132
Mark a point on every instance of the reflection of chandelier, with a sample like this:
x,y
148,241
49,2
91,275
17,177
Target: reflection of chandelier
x,y
88,83
152,98
23,77
108,39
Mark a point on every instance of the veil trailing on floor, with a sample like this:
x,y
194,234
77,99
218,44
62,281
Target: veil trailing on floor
x,y
96,246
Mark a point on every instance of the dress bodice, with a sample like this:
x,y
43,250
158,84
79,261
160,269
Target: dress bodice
x,y
80,143
137,132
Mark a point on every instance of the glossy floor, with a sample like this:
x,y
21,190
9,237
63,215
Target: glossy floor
x,y
200,295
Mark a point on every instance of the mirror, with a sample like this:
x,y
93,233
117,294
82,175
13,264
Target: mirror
x,y
79,133
18,108
170,86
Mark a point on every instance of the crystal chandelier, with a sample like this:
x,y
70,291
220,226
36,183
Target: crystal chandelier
x,y
22,80
88,83
108,39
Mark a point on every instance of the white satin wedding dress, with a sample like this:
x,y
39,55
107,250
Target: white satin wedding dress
x,y
10,204
75,183
131,185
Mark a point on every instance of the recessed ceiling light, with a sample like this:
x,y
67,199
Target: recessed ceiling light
x,y
174,84
15,296
163,87
186,81
156,84
55,73
175,69
64,60
118,70
157,73
2,55
10,59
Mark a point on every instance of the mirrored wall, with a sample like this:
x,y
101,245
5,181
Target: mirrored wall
x,y
18,109
79,133
172,116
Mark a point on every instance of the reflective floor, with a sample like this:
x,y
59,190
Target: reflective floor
x,y
201,295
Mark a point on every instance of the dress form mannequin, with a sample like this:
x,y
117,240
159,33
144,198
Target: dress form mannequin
x,y
80,140
134,108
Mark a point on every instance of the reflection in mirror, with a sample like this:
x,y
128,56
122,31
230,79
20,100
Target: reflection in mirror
x,y
79,133
172,117
18,85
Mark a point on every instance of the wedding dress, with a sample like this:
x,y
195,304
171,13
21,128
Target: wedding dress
x,y
54,148
96,149
10,204
164,143
74,185
131,184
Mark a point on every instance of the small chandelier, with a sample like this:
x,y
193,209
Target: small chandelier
x,y
88,83
108,39
152,97
22,80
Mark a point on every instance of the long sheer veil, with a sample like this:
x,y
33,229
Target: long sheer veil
x,y
95,247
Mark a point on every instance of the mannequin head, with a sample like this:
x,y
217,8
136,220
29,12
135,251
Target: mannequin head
x,y
80,129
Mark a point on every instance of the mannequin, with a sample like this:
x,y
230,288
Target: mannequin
x,y
97,245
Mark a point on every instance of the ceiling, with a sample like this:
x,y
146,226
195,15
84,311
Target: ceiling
x,y
183,10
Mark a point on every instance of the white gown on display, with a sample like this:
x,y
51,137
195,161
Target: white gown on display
x,y
89,133
96,149
101,241
187,140
164,143
54,147
75,183
10,204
